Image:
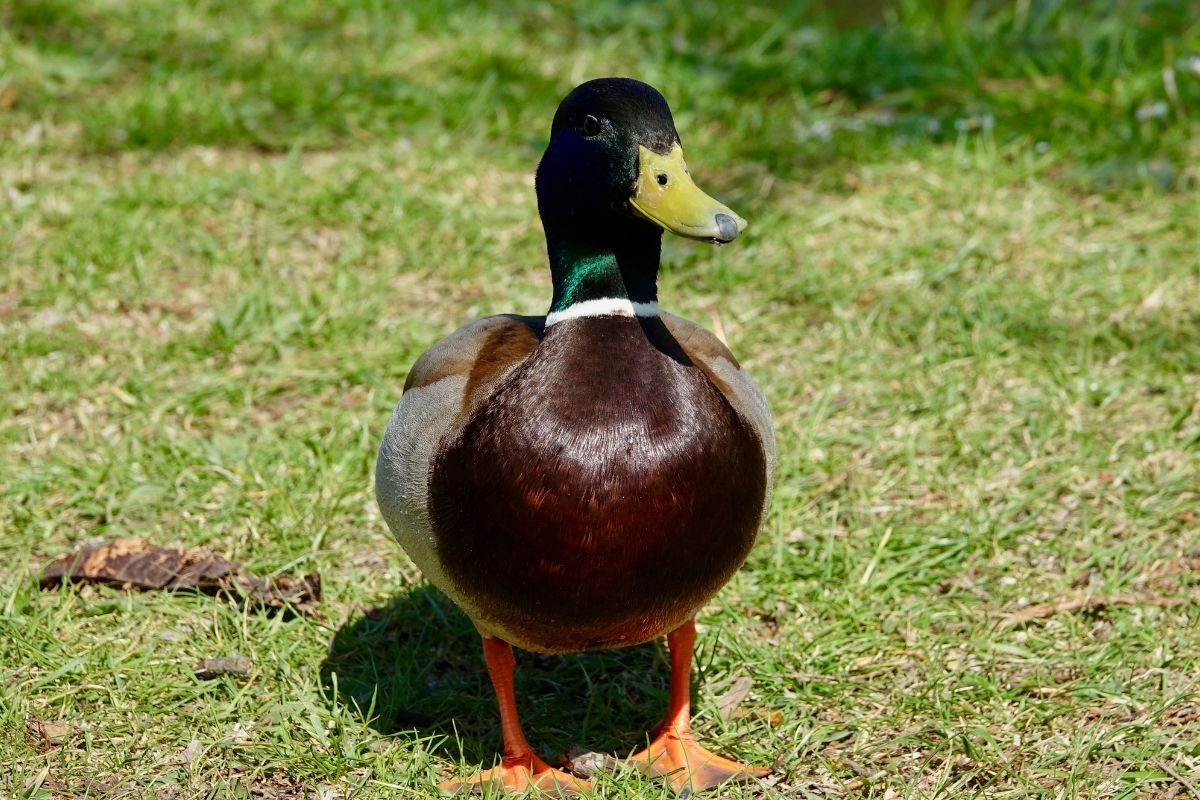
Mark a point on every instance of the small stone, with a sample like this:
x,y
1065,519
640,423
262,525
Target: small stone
x,y
585,764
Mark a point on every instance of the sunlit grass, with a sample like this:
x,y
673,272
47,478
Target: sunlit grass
x,y
969,288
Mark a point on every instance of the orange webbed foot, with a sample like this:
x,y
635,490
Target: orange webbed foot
x,y
687,766
519,776
674,753
520,771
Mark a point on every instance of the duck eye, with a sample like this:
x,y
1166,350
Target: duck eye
x,y
591,126
661,178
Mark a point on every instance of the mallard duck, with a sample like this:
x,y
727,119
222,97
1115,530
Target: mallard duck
x,y
591,477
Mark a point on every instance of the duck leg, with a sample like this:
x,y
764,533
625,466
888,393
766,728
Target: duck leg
x,y
520,769
674,752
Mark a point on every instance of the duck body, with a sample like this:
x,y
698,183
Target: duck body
x,y
593,482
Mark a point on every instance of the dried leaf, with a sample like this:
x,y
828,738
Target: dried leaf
x,y
738,691
209,668
242,732
278,787
49,732
137,564
188,755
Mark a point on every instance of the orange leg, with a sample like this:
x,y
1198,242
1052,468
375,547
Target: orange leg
x,y
674,752
520,770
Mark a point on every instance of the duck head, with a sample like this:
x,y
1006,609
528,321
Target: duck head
x,y
614,154
611,180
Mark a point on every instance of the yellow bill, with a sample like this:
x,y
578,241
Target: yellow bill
x,y
667,197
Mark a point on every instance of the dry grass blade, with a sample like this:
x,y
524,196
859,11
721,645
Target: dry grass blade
x,y
1091,603
1184,782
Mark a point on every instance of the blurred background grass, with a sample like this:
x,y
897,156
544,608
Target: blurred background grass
x,y
970,290
1114,85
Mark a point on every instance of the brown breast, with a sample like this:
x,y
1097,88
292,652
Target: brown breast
x,y
604,492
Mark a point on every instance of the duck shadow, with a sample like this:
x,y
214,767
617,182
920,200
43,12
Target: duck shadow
x,y
416,665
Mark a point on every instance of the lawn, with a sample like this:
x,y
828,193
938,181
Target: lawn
x,y
970,289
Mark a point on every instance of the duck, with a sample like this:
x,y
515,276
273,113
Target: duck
x,y
588,478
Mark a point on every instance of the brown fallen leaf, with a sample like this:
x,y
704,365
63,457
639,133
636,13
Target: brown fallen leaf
x,y
1094,603
49,732
188,755
278,786
110,788
208,668
137,564
728,702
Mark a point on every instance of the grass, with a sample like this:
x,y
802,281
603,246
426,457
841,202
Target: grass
x,y
969,289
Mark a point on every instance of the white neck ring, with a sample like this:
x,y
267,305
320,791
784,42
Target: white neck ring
x,y
603,307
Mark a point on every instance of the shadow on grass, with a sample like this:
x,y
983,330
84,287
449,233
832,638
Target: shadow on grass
x,y
416,664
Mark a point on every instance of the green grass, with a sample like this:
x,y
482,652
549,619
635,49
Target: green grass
x,y
970,290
